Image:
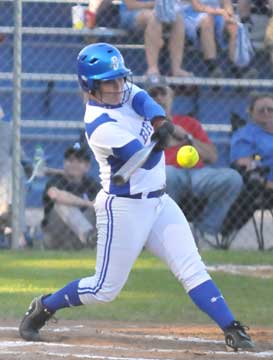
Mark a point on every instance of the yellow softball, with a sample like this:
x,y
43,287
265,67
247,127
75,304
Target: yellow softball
x,y
187,156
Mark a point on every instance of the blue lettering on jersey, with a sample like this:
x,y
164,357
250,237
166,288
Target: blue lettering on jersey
x,y
146,130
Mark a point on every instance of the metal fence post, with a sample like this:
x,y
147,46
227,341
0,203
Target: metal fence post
x,y
16,143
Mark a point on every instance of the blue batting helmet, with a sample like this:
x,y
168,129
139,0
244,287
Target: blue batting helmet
x,y
100,61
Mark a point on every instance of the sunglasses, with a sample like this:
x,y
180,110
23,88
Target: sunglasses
x,y
265,109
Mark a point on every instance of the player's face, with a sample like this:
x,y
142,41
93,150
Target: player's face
x,y
262,111
111,91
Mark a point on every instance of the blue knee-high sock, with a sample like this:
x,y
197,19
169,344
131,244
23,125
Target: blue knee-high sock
x,y
209,299
65,297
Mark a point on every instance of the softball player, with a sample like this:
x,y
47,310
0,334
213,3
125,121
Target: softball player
x,y
121,119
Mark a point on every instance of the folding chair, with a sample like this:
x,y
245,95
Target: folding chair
x,y
254,196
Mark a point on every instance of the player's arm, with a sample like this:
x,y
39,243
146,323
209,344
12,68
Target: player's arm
x,y
144,105
67,198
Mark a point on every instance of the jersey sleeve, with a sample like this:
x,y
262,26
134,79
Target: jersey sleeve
x,y
144,105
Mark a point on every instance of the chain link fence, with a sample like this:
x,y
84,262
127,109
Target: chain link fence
x,y
41,100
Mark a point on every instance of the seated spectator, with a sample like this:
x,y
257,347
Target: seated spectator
x,y
69,217
6,188
218,186
207,21
256,139
94,7
137,14
253,13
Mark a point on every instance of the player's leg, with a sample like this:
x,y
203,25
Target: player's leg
x,y
220,187
171,240
121,238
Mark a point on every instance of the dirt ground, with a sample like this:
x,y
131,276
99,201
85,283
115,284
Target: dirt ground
x,y
127,341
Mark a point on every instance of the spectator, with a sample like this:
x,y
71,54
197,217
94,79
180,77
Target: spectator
x,y
210,19
6,187
218,186
248,9
69,220
249,142
137,14
256,138
94,7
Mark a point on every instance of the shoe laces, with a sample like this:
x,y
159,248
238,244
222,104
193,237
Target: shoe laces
x,y
237,325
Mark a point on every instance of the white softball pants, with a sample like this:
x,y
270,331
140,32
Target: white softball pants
x,y
125,226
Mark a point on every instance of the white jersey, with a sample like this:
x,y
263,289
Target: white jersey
x,y
114,133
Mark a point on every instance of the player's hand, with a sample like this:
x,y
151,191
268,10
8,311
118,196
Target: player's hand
x,y
162,135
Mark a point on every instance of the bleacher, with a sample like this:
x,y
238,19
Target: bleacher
x,y
49,51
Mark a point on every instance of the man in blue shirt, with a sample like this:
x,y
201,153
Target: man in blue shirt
x,y
256,138
252,154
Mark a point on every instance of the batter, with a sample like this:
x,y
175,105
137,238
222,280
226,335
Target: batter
x,y
121,119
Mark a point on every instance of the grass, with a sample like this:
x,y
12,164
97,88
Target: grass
x,y
151,293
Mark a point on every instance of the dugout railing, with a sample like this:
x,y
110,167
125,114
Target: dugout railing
x,y
118,37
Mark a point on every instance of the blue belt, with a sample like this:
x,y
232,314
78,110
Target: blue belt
x,y
151,194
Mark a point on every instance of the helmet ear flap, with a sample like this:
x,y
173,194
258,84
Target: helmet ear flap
x,y
95,86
